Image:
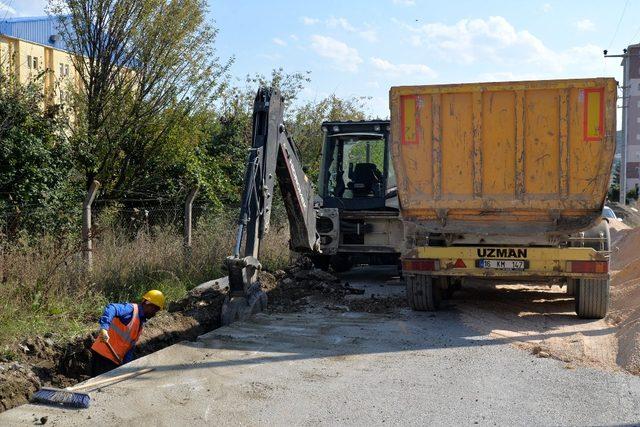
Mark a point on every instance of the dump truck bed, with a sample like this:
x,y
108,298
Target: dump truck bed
x,y
504,158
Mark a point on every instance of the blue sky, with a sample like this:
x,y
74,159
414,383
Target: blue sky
x,y
362,48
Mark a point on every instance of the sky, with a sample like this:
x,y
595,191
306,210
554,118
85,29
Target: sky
x,y
362,48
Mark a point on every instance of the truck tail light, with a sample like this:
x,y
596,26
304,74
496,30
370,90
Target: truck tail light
x,y
420,264
589,266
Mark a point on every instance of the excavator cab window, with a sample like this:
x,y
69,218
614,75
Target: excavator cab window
x,y
357,167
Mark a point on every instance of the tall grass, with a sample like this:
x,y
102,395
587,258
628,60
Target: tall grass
x,y
45,288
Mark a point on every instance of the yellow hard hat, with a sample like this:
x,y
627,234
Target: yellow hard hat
x,y
155,297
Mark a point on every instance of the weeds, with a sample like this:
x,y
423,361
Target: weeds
x,y
45,289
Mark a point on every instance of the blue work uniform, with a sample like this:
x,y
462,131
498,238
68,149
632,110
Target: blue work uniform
x,y
124,312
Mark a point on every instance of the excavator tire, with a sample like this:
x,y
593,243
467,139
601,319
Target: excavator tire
x,y
592,298
422,293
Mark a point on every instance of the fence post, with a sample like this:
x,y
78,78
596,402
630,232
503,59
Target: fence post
x,y
87,245
188,209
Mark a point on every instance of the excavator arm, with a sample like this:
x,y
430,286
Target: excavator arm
x,y
273,155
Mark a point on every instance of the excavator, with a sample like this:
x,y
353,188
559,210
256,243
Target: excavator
x,y
353,218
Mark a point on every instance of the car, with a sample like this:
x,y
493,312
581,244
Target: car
x,y
608,213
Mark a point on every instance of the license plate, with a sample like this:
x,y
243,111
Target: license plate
x,y
500,264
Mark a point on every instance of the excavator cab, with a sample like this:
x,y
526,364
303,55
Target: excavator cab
x,y
355,165
358,220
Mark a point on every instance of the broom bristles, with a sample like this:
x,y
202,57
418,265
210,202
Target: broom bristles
x,y
54,396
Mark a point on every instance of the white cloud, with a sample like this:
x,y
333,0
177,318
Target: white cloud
x,y
585,25
340,23
366,33
294,37
405,2
344,57
401,69
279,41
546,8
369,35
309,21
496,42
6,10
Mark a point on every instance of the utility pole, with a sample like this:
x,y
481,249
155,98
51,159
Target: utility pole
x,y
188,210
623,152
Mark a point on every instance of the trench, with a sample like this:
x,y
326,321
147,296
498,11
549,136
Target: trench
x,y
47,363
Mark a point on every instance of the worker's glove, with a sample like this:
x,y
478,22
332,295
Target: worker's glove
x,y
104,335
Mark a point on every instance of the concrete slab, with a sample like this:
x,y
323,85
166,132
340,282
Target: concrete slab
x,y
328,367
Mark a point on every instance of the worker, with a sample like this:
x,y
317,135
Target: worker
x,y
120,328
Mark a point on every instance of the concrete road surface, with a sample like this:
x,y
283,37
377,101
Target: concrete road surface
x,y
331,367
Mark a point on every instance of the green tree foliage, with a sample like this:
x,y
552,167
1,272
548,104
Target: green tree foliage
x,y
36,172
304,124
303,119
614,188
144,66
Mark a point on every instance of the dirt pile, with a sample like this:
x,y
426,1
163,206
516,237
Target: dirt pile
x,y
624,250
629,214
289,290
625,299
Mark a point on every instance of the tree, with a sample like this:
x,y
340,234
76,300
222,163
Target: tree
x,y
143,66
303,120
614,189
304,123
36,171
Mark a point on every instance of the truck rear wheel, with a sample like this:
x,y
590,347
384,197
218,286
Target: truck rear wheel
x,y
422,293
592,298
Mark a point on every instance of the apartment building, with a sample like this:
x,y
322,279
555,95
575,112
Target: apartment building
x,y
33,48
632,106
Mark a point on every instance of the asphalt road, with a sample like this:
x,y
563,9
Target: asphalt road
x,y
326,366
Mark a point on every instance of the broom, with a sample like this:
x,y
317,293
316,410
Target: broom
x,y
71,398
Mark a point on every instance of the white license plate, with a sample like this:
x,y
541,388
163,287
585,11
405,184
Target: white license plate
x,y
502,264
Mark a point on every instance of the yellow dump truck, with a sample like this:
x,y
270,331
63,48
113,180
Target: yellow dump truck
x,y
505,181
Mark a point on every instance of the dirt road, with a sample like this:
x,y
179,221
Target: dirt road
x,y
329,364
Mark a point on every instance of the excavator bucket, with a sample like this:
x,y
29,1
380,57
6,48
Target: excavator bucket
x,y
245,296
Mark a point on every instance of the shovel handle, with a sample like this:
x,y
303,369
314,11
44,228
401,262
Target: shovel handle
x,y
113,352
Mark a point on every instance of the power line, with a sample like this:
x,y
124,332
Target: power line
x,y
635,35
624,9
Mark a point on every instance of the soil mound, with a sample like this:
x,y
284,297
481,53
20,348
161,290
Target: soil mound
x,y
625,248
625,299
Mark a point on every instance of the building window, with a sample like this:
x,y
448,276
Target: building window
x,y
61,70
61,96
29,61
35,63
66,70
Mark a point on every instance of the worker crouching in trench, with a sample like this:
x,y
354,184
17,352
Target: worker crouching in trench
x,y
120,328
